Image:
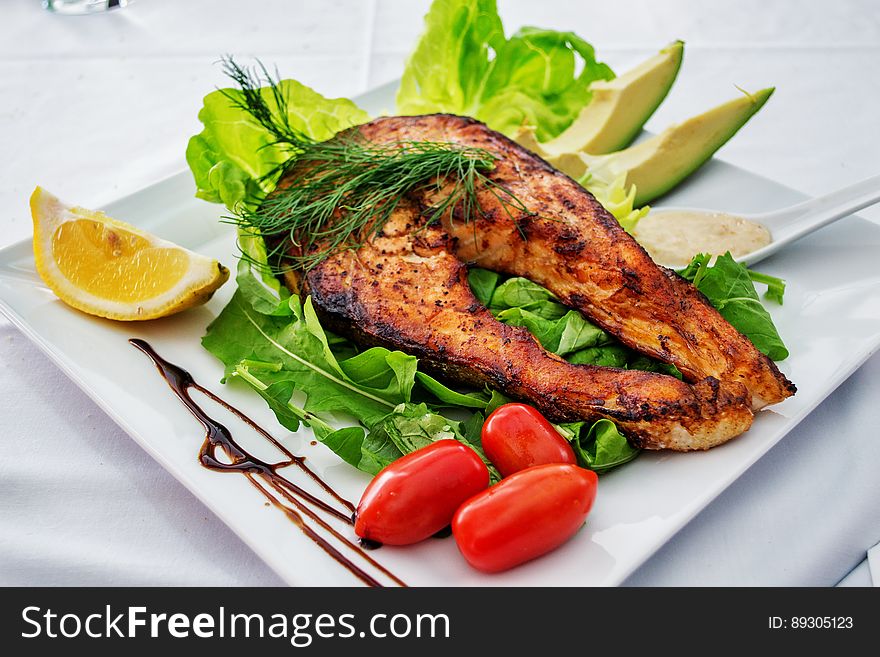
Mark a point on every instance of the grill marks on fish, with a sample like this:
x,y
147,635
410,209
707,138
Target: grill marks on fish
x,y
407,289
411,293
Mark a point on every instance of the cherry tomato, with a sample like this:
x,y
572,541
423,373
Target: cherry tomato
x,y
416,496
524,516
516,437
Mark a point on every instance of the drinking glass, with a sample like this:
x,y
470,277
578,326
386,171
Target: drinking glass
x,y
82,6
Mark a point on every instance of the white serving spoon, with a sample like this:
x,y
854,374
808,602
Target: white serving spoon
x,y
789,224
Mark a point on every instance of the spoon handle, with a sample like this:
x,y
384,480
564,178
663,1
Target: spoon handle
x,y
800,219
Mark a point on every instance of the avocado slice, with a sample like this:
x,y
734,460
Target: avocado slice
x,y
620,107
659,163
617,111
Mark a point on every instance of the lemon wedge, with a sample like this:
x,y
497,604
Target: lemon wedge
x,y
108,268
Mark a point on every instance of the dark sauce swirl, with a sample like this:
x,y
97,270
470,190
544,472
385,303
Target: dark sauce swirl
x,y
296,503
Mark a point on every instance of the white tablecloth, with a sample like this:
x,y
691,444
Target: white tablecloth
x,y
95,107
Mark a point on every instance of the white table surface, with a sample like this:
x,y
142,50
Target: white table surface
x,y
96,107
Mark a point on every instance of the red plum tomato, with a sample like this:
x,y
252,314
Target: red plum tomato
x,y
416,496
524,516
516,437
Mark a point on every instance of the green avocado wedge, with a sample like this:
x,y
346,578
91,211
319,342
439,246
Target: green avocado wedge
x,y
620,107
659,163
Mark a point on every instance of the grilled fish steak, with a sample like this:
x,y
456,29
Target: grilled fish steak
x,y
407,289
572,246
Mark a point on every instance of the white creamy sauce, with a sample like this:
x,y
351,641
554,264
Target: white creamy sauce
x,y
673,237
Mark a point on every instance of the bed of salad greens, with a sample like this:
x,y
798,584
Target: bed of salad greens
x,y
387,406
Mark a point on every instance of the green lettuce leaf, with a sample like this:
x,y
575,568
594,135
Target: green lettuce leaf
x,y
729,288
618,198
256,281
447,69
231,155
533,81
463,64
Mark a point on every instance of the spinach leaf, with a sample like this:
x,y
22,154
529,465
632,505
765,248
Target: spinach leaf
x,y
483,283
520,302
577,333
598,446
524,294
729,288
614,355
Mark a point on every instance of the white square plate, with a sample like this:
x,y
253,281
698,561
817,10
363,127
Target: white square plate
x,y
830,322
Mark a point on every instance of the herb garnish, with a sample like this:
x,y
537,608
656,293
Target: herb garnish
x,y
366,181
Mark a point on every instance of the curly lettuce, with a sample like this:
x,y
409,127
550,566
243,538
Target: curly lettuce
x,y
464,64
231,156
618,198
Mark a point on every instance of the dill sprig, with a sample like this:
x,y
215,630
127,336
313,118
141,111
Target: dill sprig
x,y
349,187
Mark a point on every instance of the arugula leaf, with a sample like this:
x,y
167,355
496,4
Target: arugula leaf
x,y
283,355
451,397
410,427
233,153
262,289
497,399
463,64
775,286
729,288
240,333
349,444
472,429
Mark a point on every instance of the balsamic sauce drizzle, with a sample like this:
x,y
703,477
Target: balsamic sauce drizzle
x,y
264,476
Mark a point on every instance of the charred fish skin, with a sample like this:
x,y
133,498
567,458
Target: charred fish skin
x,y
408,291
567,242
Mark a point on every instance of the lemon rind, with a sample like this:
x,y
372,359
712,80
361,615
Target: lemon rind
x,y
203,276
